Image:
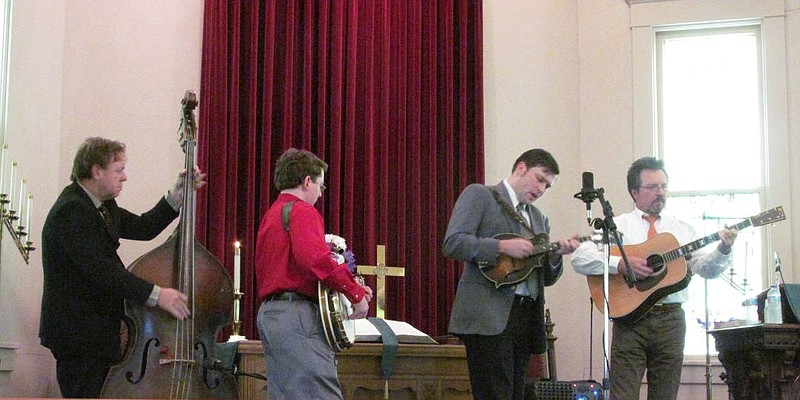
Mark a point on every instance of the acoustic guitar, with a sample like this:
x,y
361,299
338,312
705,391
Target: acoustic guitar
x,y
630,303
510,271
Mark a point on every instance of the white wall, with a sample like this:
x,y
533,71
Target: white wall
x,y
84,68
33,135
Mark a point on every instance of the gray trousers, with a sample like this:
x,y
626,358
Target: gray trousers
x,y
300,364
655,344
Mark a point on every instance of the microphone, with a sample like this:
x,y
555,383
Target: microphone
x,y
587,194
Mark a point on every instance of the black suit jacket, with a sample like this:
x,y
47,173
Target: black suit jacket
x,y
85,282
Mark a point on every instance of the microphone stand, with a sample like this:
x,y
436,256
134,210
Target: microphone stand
x,y
609,228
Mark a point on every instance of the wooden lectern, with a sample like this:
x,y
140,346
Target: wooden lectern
x,y
762,361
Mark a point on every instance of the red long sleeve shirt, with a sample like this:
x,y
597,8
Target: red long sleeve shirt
x,y
296,260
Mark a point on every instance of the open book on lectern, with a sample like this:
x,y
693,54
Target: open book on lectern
x,y
367,332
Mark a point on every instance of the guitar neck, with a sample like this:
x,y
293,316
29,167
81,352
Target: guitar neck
x,y
688,248
545,247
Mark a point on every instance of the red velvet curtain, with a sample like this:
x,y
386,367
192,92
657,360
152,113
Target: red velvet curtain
x,y
388,93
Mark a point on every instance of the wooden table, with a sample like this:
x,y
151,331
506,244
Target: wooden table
x,y
422,372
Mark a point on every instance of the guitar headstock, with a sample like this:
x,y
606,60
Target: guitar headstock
x,y
188,124
767,217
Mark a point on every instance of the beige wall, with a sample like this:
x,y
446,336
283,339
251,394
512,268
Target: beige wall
x,y
557,76
574,93
85,68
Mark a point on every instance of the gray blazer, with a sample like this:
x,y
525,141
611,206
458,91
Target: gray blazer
x,y
479,307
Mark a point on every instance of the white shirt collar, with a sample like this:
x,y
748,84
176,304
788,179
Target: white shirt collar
x,y
511,194
95,200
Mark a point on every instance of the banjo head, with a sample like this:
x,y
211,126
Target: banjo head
x,y
334,308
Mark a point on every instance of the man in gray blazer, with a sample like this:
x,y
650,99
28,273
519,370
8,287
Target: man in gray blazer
x,y
502,326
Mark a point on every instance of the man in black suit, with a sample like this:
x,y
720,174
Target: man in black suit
x,y
85,281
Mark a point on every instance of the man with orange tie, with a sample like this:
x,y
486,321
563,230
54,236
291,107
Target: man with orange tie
x,y
654,342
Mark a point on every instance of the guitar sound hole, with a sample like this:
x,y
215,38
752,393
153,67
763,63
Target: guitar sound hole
x,y
655,262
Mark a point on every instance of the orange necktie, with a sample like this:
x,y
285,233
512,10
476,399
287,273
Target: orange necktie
x,y
652,220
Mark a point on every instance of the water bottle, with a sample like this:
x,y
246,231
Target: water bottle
x,y
773,313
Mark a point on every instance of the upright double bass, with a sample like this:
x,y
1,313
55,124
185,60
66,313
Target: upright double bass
x,y
166,357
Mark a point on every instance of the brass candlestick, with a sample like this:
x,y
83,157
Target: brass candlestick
x,y
237,323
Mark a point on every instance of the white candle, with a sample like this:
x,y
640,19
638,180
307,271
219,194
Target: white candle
x,y
3,158
11,185
28,216
237,266
22,187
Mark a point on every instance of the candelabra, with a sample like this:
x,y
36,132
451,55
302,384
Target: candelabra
x,y
9,215
19,233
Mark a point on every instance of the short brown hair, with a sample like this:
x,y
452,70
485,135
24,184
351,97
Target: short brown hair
x,y
537,158
294,166
95,151
636,168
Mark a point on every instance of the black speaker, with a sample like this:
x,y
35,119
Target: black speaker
x,y
587,390
559,390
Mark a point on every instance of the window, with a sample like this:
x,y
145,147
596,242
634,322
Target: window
x,y
710,134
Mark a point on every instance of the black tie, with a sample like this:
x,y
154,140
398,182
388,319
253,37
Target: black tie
x,y
106,215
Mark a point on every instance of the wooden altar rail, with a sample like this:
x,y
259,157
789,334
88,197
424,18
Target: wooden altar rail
x,y
421,372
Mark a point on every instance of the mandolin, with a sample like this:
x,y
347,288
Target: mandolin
x,y
509,271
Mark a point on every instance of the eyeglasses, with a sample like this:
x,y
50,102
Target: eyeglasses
x,y
654,187
322,186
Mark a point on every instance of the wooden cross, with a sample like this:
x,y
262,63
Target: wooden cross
x,y
381,271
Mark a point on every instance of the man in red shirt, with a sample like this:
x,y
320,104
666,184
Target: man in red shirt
x,y
289,264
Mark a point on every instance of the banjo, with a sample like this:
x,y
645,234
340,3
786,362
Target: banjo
x,y
334,308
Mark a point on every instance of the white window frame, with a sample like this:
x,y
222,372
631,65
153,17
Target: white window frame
x,y
648,18
661,15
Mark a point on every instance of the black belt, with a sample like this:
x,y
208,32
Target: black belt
x,y
524,301
290,296
662,308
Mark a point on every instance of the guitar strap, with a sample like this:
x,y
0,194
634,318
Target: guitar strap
x,y
510,211
513,214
